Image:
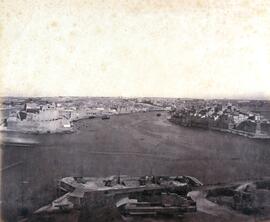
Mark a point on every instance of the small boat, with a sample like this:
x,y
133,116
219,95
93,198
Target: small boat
x,y
105,117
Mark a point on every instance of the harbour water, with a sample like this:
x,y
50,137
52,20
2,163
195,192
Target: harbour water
x,y
135,144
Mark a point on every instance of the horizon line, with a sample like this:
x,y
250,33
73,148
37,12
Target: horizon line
x,y
162,97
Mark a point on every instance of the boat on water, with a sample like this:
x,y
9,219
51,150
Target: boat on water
x,y
129,196
35,118
104,117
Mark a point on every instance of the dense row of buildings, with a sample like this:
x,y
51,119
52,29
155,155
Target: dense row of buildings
x,y
56,114
225,118
51,117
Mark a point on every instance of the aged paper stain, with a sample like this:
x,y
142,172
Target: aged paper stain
x,y
183,48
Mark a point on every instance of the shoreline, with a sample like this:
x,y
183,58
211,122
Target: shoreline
x,y
250,135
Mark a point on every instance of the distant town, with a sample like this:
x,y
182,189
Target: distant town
x,y
56,114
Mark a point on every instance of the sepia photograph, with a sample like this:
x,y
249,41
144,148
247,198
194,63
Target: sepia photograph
x,y
134,111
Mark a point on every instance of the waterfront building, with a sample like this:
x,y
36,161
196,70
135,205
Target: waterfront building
x,y
38,119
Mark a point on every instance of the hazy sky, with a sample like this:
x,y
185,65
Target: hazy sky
x,y
135,48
